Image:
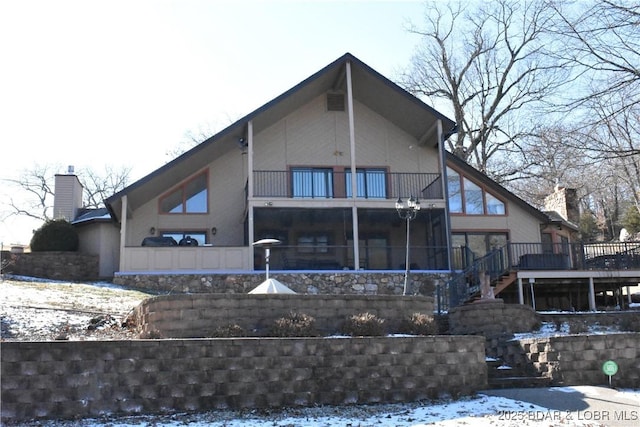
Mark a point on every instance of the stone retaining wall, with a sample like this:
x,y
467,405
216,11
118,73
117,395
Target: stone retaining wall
x,y
491,318
578,359
344,283
198,315
101,378
56,265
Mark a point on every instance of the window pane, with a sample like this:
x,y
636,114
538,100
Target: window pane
x,y
371,183
200,236
473,198
312,183
172,203
455,194
494,206
301,183
196,195
376,184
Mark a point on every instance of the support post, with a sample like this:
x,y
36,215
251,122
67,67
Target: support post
x,y
533,295
520,291
592,295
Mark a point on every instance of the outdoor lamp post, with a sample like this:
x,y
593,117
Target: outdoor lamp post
x,y
407,212
267,243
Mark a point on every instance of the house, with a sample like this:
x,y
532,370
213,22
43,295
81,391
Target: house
x,y
320,168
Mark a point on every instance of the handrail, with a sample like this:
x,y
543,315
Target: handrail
x,y
331,184
536,256
465,283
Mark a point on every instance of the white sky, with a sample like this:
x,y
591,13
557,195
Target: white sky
x,y
121,82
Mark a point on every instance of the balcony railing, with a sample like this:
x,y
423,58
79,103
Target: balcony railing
x,y
533,256
329,184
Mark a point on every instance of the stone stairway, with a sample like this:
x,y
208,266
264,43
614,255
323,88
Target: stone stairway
x,y
501,375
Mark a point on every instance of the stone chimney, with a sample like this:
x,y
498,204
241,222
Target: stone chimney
x,y
68,196
564,201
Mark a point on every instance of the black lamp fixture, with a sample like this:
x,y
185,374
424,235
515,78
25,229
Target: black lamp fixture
x,y
242,143
407,212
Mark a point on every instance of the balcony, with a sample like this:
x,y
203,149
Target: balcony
x,y
325,183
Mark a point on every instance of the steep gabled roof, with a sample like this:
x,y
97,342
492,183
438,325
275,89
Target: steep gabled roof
x,y
369,87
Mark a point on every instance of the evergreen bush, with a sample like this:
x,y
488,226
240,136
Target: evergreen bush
x,y
55,235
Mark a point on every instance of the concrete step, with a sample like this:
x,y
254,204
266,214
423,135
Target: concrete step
x,y
519,382
503,376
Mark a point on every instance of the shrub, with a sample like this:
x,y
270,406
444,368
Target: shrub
x,y
294,325
364,324
231,330
56,235
419,324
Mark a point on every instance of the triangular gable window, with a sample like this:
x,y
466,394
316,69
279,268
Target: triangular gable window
x,y
189,197
467,197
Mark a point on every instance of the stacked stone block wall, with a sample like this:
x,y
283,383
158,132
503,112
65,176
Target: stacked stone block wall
x,y
314,283
198,315
578,359
44,380
55,265
492,318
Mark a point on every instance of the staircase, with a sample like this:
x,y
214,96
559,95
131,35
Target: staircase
x,y
503,282
502,376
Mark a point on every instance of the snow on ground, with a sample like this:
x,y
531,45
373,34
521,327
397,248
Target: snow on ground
x,y
38,310
34,309
480,410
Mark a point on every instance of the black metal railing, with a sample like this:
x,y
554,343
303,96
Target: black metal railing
x,y
329,184
532,256
467,282
575,256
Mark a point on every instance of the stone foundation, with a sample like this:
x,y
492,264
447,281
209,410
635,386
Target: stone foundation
x,y
314,283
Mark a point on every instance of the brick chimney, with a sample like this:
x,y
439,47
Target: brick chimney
x,y
564,201
68,196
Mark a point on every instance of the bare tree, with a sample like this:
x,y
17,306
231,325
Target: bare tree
x,y
98,187
34,193
603,40
490,65
34,189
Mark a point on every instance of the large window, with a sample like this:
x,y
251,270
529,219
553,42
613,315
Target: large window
x,y
371,183
313,243
189,197
479,244
312,182
467,197
184,236
455,191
